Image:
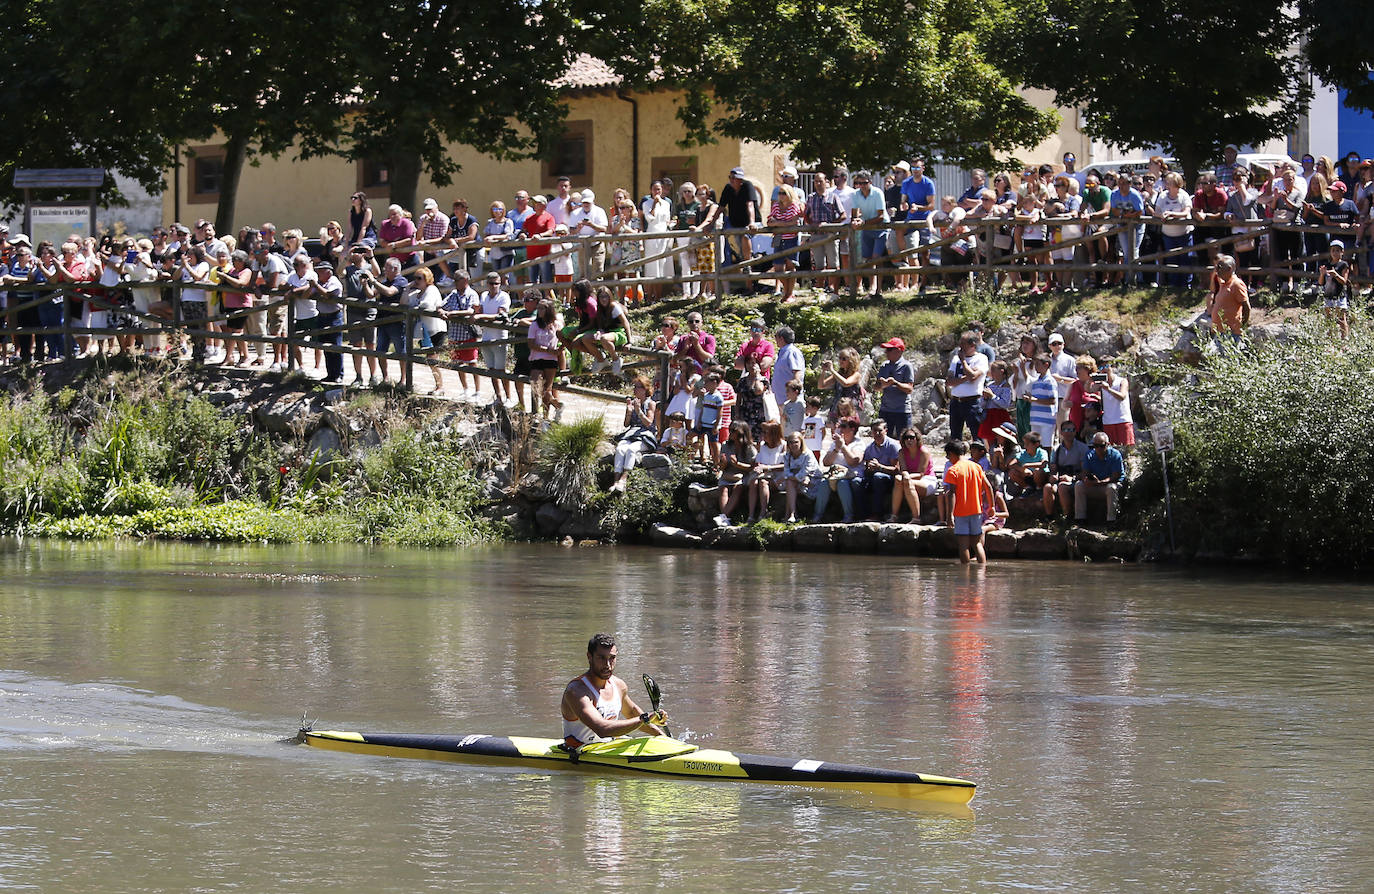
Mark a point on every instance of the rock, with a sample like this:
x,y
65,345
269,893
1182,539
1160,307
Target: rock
x,y
733,537
815,538
1158,346
588,544
1127,338
289,414
898,539
667,535
1279,333
1086,335
936,540
1001,544
926,402
1039,543
937,434
1084,543
221,398
532,488
860,538
655,461
549,518
325,444
703,498
1156,403
662,473
779,540
581,526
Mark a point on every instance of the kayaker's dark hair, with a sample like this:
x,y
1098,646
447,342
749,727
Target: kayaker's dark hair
x,y
600,641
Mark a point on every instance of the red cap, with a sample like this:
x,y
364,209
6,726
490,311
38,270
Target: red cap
x,y
895,343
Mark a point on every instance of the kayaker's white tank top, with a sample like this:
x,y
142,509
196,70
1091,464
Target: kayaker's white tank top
x,y
609,709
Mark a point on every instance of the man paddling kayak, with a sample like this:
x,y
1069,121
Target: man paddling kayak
x,y
597,705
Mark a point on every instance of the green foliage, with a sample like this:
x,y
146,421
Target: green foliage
x,y
1107,54
869,81
1273,457
1330,29
647,501
567,459
983,303
813,325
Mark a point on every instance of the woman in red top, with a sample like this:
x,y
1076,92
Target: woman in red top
x,y
1084,391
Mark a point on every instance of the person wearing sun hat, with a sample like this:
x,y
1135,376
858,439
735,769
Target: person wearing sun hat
x,y
896,379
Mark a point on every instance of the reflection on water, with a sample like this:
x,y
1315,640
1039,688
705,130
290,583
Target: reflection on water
x,y
1129,728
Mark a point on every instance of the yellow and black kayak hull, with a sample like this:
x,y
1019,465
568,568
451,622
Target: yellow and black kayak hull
x,y
651,755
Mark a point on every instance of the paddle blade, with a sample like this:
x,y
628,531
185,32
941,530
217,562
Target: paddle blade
x,y
655,695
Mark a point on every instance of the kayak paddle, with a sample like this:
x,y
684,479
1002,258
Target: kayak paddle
x,y
655,696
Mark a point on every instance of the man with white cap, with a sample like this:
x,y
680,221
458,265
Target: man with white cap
x,y
431,229
788,177
589,219
1064,371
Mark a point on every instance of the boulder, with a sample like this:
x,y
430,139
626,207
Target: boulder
x,y
584,525
703,498
655,461
926,402
1040,543
549,518
815,538
937,434
1156,403
1084,543
733,537
289,414
1279,333
1086,335
779,540
667,535
532,488
898,540
324,444
860,538
1001,544
937,540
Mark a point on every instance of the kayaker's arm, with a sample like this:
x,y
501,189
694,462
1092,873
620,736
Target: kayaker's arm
x,y
584,709
630,709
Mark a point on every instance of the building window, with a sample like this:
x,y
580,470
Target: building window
x,y
572,156
204,174
679,168
374,178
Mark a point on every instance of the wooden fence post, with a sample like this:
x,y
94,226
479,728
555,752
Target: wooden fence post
x,y
290,334
407,362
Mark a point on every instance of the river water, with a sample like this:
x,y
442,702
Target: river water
x,y
1130,728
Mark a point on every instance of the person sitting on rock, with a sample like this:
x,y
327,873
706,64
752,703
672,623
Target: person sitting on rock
x,y
1030,467
1066,464
738,457
801,473
1103,471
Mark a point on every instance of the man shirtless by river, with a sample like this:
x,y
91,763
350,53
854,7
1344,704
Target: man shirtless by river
x,y
597,705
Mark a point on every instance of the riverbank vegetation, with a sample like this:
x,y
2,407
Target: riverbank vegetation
x,y
1273,457
136,453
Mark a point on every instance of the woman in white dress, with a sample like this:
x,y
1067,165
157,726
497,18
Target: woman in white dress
x,y
657,212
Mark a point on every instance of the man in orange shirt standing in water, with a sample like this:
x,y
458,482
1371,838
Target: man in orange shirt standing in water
x,y
966,482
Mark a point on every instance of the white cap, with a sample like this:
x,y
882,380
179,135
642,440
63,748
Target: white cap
x,y
1056,338
789,171
431,205
588,196
901,166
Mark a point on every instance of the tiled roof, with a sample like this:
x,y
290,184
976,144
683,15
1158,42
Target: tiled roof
x,y
587,73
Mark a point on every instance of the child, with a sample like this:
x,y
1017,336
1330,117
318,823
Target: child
x,y
710,408
684,399
1033,239
1333,277
563,264
1031,466
813,426
997,398
674,438
793,411
1044,399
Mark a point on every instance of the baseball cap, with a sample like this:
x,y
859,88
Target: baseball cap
x,y
431,205
540,200
1338,185
1056,338
895,343
737,172
588,196
1336,243
789,171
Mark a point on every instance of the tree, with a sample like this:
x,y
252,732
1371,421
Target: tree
x,y
1336,37
63,108
439,73
1172,73
869,81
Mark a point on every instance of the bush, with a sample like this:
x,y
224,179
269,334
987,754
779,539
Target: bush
x,y
567,460
1272,453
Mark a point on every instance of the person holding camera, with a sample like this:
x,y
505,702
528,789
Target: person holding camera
x,y
967,370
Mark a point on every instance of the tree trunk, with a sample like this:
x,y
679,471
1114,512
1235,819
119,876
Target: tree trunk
x,y
235,156
404,174
1190,160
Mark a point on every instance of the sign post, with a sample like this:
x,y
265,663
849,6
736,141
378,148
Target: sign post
x,y
1163,434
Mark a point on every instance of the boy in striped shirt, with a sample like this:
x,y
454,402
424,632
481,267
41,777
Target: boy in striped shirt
x,y
1044,399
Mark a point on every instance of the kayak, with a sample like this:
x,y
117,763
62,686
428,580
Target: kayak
x,y
651,755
